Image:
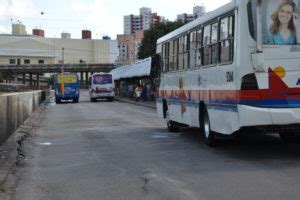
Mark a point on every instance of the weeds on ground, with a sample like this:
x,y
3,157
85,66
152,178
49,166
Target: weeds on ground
x,y
2,189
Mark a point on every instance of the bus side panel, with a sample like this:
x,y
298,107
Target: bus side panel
x,y
159,107
194,113
223,121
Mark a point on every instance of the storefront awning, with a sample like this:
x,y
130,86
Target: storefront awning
x,y
137,69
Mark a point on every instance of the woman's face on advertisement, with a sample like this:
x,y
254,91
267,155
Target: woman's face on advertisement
x,y
285,14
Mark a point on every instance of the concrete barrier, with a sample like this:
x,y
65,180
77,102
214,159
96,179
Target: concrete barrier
x,y
3,118
15,109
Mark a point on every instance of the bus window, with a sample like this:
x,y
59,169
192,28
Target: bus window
x,y
165,57
251,7
185,52
193,48
214,41
180,53
175,54
199,48
206,43
102,79
226,40
171,59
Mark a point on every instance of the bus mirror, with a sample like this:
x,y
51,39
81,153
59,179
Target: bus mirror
x,y
258,62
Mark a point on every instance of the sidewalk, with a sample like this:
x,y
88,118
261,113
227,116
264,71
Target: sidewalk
x,y
150,104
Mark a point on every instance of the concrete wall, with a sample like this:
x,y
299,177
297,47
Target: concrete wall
x,y
15,109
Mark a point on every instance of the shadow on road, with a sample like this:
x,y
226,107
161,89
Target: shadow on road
x,y
249,147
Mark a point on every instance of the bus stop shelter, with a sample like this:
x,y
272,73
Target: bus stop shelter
x,y
130,76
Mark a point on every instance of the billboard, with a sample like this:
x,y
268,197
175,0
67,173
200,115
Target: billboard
x,y
280,22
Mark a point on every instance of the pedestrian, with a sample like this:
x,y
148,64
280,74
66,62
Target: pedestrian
x,y
137,93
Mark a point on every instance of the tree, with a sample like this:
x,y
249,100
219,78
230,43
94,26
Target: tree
x,y
148,46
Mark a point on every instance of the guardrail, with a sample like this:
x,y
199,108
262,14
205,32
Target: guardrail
x,y
56,68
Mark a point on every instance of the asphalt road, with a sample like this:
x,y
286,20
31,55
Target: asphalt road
x,y
114,150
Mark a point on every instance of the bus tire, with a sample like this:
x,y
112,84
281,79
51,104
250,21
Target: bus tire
x,y
172,127
75,100
57,101
110,99
93,100
288,137
208,136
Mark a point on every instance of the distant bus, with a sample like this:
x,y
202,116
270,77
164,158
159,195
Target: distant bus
x,y
230,70
67,87
101,86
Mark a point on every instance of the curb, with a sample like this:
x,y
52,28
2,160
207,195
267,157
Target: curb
x,y
135,103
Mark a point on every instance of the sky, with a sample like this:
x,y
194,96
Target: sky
x,y
102,17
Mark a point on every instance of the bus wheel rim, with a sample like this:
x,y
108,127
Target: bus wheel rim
x,y
206,126
168,117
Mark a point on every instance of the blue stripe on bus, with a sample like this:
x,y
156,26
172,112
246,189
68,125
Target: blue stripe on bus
x,y
271,103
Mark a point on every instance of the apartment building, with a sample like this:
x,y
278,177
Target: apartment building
x,y
129,47
143,21
197,12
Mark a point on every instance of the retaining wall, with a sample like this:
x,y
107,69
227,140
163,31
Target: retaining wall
x,y
15,109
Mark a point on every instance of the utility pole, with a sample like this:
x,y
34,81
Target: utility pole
x,y
62,72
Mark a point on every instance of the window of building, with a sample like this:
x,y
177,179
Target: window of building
x,y
26,61
12,61
41,61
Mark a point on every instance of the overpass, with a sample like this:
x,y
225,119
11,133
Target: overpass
x,y
38,69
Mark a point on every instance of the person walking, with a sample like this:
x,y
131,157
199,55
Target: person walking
x,y
137,93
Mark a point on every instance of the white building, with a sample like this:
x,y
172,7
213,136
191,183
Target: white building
x,y
28,49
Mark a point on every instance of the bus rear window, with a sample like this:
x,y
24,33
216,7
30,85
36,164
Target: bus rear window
x,y
67,78
102,79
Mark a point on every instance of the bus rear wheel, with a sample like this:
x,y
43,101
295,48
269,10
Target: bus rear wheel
x,y
110,99
93,100
57,101
172,127
208,136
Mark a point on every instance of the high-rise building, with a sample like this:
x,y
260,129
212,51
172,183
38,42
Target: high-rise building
x,y
143,21
198,11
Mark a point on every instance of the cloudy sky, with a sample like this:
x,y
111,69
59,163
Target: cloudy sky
x,y
102,17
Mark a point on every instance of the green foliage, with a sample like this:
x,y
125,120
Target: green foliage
x,y
148,46
2,189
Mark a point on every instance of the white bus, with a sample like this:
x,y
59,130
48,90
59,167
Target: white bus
x,y
101,86
233,69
